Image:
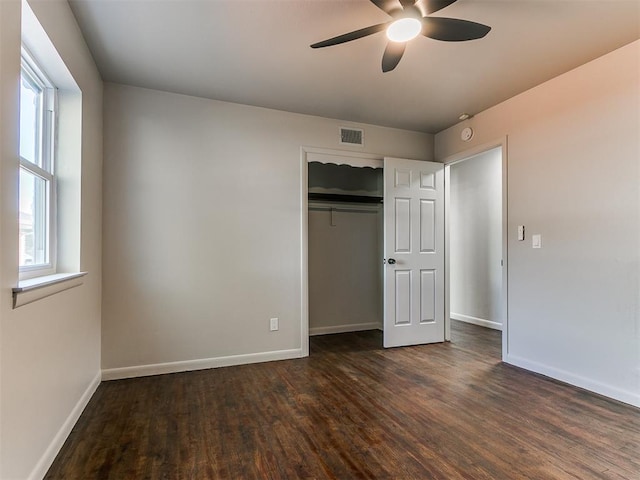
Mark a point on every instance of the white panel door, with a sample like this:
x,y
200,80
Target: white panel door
x,y
414,252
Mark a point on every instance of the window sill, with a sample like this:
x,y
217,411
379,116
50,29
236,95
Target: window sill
x,y
34,289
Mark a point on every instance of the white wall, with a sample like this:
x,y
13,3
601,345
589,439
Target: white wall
x,y
475,222
50,349
574,177
202,227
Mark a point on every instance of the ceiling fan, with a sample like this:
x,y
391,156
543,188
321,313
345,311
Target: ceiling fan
x,y
408,21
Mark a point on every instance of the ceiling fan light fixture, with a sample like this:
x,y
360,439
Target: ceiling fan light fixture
x,y
404,29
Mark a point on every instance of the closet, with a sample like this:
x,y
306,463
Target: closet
x,y
345,244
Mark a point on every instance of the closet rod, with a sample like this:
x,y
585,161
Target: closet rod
x,y
336,197
353,208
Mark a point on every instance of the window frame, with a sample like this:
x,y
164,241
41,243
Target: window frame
x,y
46,161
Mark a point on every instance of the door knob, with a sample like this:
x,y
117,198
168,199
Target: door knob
x,y
391,261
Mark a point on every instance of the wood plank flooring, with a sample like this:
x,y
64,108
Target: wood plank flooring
x,y
355,410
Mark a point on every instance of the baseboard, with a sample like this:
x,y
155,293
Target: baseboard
x,y
354,327
200,364
476,321
56,444
615,393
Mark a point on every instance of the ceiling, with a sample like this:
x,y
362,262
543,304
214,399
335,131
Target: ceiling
x,y
257,52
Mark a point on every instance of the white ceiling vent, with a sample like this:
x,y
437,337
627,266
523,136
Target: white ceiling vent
x,y
352,136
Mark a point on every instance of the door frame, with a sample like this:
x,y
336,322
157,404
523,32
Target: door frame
x,y
447,161
501,143
349,158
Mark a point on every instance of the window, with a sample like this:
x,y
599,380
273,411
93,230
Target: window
x,y
37,202
49,217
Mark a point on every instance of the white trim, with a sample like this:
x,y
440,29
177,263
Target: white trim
x,y
625,396
33,289
447,260
39,282
353,327
476,321
474,151
504,317
199,364
304,252
49,455
344,156
501,143
45,161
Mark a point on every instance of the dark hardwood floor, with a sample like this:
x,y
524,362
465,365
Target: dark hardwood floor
x,y
355,410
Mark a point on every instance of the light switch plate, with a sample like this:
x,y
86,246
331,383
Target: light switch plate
x,y
273,324
536,241
520,232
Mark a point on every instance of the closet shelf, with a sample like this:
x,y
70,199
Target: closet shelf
x,y
335,197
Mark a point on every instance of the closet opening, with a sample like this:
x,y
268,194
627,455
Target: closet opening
x,y
345,244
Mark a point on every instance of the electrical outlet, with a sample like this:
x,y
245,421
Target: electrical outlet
x,y
273,324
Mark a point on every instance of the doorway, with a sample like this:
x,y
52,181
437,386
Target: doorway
x,y
344,242
476,241
413,240
333,214
345,248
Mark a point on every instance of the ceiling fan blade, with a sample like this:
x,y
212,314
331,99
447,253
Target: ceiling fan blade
x,y
452,29
388,6
347,37
432,6
392,55
407,3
